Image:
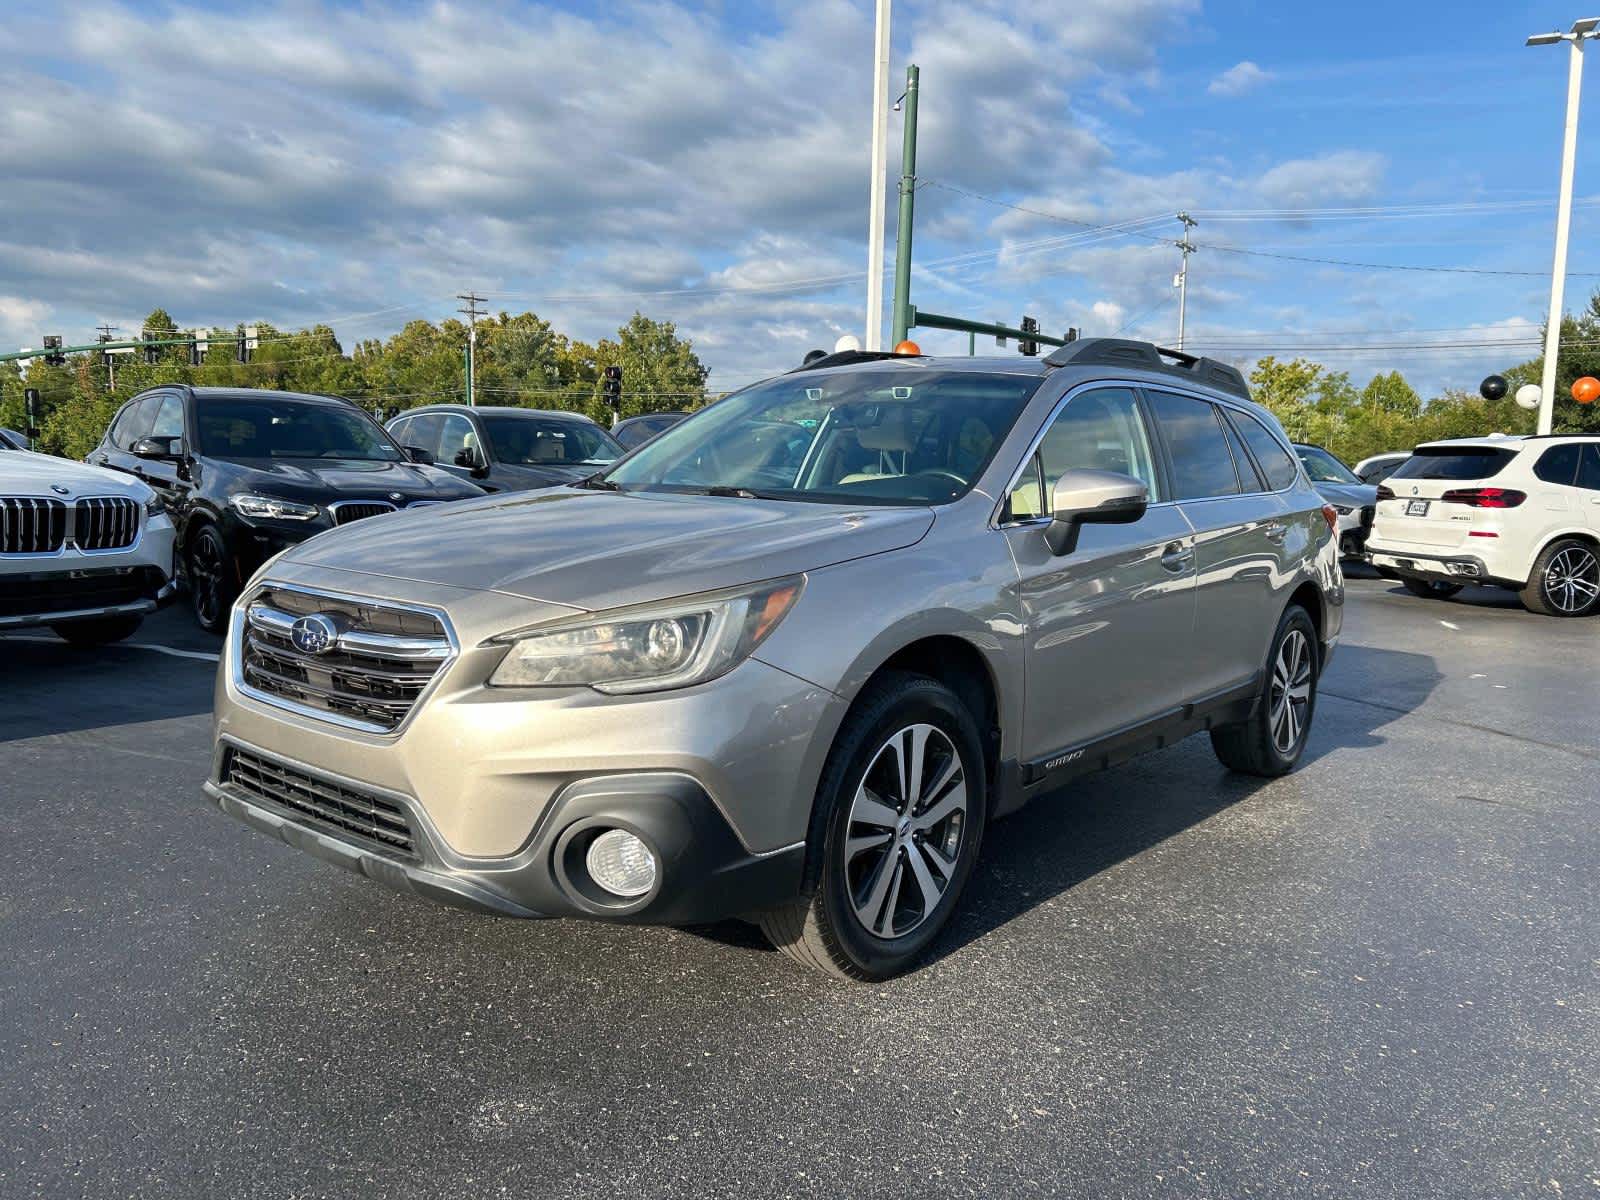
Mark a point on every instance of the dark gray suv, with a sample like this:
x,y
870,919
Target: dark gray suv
x,y
789,658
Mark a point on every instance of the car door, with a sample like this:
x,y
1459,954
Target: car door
x,y
1589,482
461,451
127,427
1108,626
171,478
1241,536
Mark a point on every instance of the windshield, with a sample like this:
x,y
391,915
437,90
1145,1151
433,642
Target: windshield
x,y
1324,467
251,427
879,436
546,442
1454,462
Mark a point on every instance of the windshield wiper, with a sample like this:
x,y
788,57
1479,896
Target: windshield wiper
x,y
723,489
596,483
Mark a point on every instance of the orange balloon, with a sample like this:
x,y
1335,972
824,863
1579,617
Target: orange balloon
x,y
910,347
1586,390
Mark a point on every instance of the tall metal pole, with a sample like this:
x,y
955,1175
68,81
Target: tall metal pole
x,y
1182,281
880,179
908,190
1558,273
472,314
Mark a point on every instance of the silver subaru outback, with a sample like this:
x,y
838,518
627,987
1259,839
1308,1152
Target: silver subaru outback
x,y
788,660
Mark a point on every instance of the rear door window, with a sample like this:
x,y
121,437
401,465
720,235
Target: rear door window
x,y
1589,467
1559,464
1454,462
1202,464
1269,452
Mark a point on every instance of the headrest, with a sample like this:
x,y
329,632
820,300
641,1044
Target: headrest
x,y
892,431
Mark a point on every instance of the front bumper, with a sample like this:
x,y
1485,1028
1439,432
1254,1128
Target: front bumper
x,y
74,585
703,872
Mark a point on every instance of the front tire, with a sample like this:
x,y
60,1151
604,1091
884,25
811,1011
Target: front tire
x,y
1431,589
101,631
901,810
1270,741
212,580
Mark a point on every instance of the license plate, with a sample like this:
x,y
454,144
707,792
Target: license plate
x,y
1416,508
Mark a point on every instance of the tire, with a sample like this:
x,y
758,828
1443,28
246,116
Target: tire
x,y
213,585
101,631
883,881
1431,589
1565,581
1270,741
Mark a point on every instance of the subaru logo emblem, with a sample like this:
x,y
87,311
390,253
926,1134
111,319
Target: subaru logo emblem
x,y
314,634
59,490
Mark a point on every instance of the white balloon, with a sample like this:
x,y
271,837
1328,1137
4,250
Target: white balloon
x,y
848,342
1528,396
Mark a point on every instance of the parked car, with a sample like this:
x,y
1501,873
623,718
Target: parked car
x,y
10,439
1514,512
246,473
635,431
506,449
677,692
1354,501
1376,469
84,551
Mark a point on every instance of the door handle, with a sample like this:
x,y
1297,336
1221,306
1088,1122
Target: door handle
x,y
1176,557
1276,531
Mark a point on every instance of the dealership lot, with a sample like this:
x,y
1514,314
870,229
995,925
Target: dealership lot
x,y
1379,973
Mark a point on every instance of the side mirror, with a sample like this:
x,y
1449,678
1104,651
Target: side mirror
x,y
418,455
1092,498
166,449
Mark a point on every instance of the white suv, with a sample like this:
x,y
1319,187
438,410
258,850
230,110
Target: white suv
x,y
87,552
1515,512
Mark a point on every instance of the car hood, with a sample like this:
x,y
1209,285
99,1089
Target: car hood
x,y
1352,495
599,550
23,472
315,479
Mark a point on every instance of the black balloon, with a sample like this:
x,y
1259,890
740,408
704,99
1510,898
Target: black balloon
x,y
1494,388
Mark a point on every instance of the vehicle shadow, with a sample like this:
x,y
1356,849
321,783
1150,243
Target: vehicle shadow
x,y
1063,838
48,687
1476,597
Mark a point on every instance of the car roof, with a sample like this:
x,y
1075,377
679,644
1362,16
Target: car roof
x,y
1499,441
231,393
512,409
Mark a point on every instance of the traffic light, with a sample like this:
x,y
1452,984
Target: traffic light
x,y
1027,345
30,398
242,347
52,351
197,349
611,388
152,353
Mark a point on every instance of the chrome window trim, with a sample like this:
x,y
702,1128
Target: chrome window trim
x,y
236,625
1091,384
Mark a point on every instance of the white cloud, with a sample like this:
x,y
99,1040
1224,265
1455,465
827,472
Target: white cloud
x,y
1341,177
1238,79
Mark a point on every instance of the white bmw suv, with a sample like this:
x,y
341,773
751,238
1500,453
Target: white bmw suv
x,y
86,551
1515,512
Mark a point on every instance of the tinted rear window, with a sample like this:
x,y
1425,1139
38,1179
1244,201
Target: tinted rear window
x,y
1202,464
1454,462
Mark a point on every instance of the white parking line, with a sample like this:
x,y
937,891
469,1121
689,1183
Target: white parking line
x,y
202,655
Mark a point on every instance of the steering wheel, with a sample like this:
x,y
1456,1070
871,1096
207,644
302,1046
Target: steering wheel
x,y
940,473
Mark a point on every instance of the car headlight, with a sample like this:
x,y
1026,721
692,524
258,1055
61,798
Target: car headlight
x,y
248,505
649,647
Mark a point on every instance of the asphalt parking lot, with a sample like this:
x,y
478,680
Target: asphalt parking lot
x,y
1379,976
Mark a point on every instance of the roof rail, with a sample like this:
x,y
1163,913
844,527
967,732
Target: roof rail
x,y
846,358
1147,356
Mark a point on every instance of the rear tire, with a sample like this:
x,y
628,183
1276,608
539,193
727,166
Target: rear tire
x,y
101,631
1565,581
1431,589
891,861
1270,741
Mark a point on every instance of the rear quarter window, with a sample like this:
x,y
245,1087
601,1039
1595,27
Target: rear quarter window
x,y
1559,464
1454,462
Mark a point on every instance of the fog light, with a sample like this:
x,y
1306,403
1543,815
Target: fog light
x,y
621,863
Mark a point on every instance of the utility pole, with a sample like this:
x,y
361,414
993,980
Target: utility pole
x,y
1182,281
472,314
107,334
880,179
908,191
1581,32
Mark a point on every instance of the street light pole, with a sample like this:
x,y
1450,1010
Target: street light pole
x,y
1581,32
880,180
908,193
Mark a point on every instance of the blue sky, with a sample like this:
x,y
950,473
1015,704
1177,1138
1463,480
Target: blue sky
x,y
708,164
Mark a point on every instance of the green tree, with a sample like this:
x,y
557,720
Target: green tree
x,y
1579,356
